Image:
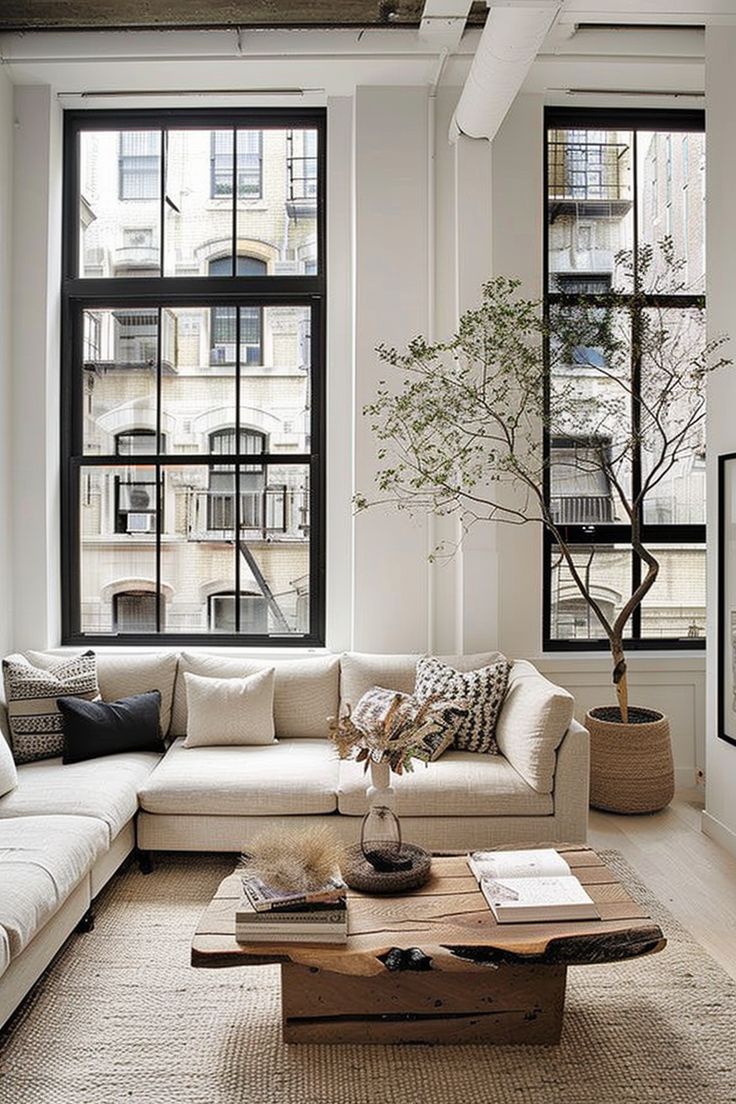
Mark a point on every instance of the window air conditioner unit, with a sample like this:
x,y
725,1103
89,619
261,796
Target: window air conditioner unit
x,y
286,268
141,523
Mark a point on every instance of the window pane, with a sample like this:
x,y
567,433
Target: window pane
x,y
606,571
120,350
204,504
117,507
120,203
198,376
589,207
675,606
590,414
672,340
275,350
671,174
277,212
199,203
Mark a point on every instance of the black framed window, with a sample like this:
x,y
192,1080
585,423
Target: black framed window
x,y
193,379
620,182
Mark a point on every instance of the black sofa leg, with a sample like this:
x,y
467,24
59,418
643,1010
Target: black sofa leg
x,y
145,862
87,923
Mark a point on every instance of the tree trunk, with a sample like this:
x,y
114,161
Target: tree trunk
x,y
621,683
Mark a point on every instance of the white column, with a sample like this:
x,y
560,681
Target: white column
x,y
6,283
719,819
340,373
36,341
390,575
517,251
477,563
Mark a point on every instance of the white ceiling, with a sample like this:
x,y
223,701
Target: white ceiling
x,y
653,56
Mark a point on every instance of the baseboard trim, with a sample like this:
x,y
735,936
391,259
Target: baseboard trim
x,y
685,778
715,830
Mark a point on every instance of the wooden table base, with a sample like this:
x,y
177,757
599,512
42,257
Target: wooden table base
x,y
508,1004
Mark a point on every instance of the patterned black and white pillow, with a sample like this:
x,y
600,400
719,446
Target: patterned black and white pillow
x,y
35,722
482,692
435,727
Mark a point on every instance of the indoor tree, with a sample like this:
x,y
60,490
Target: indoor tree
x,y
468,426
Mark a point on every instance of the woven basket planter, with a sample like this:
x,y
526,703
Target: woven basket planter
x,y
631,769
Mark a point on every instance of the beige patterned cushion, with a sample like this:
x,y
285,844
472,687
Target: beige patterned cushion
x,y
361,670
305,690
120,675
36,725
229,711
482,691
535,716
434,734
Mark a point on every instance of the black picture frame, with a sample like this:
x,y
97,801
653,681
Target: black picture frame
x,y
727,597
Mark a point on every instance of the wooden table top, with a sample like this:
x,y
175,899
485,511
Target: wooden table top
x,y
450,921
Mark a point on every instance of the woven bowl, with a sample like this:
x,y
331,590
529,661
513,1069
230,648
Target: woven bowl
x,y
360,875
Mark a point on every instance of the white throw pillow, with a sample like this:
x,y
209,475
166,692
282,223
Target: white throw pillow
x,y
230,711
8,773
305,691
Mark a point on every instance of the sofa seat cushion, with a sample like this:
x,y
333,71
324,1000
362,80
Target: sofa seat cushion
x,y
42,859
289,777
106,789
461,783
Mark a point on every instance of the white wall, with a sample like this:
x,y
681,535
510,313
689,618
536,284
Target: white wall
x,y
719,819
382,595
6,240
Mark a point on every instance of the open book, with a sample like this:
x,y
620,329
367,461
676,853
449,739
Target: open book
x,y
525,886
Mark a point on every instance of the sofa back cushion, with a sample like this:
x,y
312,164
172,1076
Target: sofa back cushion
x,y
359,671
535,716
305,690
124,674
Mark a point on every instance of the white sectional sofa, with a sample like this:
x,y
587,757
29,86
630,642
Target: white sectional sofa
x,y
64,830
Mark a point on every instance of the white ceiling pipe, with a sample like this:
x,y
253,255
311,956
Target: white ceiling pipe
x,y
508,46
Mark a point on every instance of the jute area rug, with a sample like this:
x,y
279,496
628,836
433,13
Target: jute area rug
x,y
121,1018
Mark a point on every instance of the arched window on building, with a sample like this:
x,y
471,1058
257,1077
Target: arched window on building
x,y
138,442
224,320
253,612
134,611
221,491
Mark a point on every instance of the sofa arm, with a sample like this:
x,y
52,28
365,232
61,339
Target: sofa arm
x,y
572,784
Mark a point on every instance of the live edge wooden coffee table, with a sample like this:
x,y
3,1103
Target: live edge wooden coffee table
x,y
433,966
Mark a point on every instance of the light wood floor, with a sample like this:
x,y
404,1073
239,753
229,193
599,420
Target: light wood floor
x,y
686,870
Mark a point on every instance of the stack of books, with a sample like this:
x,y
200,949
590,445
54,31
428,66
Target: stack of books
x,y
269,915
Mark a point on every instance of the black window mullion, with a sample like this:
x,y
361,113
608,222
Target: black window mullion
x,y
159,473
238,446
234,249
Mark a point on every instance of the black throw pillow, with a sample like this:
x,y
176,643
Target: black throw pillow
x,y
96,728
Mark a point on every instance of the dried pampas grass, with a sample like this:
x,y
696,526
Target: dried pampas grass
x,y
296,860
